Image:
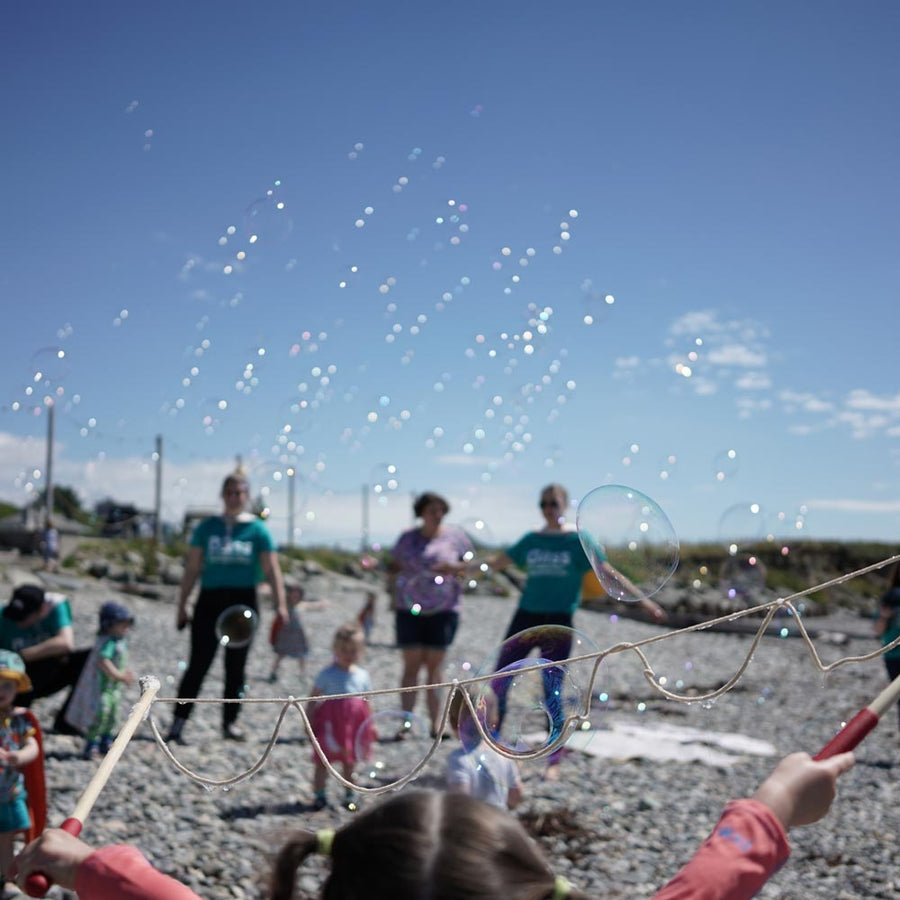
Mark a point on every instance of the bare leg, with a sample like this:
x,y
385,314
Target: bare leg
x,y
413,660
320,775
434,666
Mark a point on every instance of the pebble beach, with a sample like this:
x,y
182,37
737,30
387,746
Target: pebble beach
x,y
618,823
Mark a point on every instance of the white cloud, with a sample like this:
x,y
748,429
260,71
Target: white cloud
x,y
878,507
863,399
466,459
754,381
736,355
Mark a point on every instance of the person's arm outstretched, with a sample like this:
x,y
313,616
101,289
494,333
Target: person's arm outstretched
x,y
749,843
116,872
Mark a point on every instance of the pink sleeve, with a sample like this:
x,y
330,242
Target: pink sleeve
x,y
120,872
746,847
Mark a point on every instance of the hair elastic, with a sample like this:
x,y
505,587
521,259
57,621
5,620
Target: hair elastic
x,y
561,888
324,840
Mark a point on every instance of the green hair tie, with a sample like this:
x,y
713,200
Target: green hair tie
x,y
324,840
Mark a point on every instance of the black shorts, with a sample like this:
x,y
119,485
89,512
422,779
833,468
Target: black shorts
x,y
435,631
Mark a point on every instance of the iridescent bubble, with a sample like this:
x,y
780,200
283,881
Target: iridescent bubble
x,y
742,577
389,745
267,221
540,693
725,465
49,366
741,526
385,479
478,532
629,541
667,466
426,593
236,626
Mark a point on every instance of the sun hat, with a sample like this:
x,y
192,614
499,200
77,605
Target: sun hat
x,y
26,600
112,612
12,666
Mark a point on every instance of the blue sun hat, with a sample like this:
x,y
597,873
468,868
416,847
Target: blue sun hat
x,y
12,666
112,612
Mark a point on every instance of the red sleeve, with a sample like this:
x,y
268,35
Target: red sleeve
x,y
120,872
747,846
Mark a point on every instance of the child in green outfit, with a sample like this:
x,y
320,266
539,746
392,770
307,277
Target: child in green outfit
x,y
95,703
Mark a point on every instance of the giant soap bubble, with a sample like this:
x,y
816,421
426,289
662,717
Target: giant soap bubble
x,y
629,541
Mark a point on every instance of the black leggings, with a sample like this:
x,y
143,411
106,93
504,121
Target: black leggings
x,y
892,664
205,642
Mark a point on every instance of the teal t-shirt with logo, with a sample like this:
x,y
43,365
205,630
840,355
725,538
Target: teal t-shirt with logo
x,y
555,564
231,551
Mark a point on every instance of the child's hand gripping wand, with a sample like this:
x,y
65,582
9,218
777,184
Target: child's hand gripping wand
x,y
37,884
862,723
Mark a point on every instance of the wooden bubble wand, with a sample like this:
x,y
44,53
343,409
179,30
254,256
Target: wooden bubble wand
x,y
37,884
862,723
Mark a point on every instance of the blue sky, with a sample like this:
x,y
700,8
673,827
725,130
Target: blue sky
x,y
490,245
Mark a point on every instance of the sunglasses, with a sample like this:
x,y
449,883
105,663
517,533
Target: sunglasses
x,y
549,504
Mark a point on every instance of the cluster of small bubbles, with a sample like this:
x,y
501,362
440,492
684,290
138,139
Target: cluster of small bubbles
x,y
630,453
740,525
725,464
476,111
414,154
120,318
357,149
401,183
148,136
438,162
667,466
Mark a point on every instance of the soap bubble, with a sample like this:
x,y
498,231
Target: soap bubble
x,y
743,577
629,541
725,464
267,221
236,626
389,745
426,593
740,526
538,695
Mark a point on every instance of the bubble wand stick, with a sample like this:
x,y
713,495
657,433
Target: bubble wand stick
x,y
862,723
37,884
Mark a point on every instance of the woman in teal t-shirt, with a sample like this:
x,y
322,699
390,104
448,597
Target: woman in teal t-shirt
x,y
887,624
555,565
230,554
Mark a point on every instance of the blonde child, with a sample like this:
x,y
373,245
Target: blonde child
x,y
95,702
289,639
475,768
341,726
18,747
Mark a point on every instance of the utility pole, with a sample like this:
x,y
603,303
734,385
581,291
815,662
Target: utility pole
x,y
292,474
365,518
157,507
48,491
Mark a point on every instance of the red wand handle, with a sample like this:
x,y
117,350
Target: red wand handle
x,y
37,884
862,723
850,735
